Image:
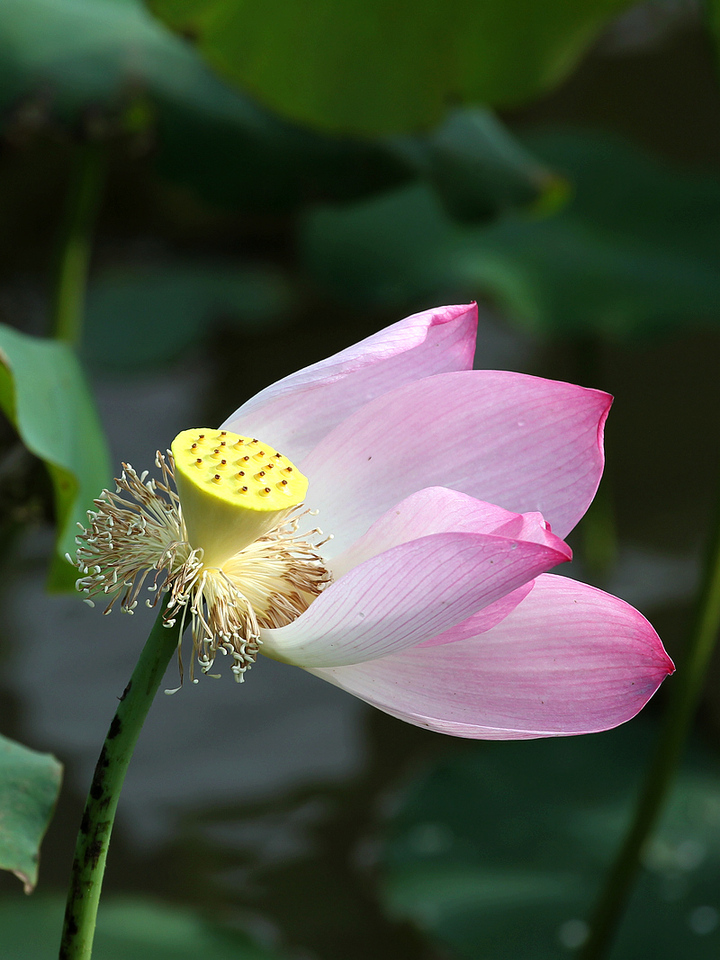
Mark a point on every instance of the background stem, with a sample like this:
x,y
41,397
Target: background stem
x,y
75,242
97,822
685,694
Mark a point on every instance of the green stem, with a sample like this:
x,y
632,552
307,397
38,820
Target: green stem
x,y
75,243
97,822
686,691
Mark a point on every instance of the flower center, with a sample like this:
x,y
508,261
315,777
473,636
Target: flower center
x,y
225,548
233,490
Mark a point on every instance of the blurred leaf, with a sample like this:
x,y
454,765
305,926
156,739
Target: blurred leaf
x,y
126,928
110,63
44,394
497,851
634,252
479,169
713,19
29,785
375,67
72,54
177,303
474,162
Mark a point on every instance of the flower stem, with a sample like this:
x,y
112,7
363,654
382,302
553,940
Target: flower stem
x,y
686,691
97,822
75,243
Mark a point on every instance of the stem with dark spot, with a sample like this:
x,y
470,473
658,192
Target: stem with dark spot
x,y
97,822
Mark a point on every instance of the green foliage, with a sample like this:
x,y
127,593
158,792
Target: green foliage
x,y
126,928
109,65
713,18
374,67
497,852
632,253
29,785
44,394
70,55
148,316
478,169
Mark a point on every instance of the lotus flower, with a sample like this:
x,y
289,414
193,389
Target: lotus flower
x,y
447,492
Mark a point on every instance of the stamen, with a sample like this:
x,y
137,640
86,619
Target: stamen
x,y
138,538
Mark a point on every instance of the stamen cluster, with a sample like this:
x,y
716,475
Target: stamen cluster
x,y
139,530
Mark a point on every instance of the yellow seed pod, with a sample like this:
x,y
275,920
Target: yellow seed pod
x,y
232,490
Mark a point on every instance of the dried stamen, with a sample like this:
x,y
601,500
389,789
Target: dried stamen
x,y
138,533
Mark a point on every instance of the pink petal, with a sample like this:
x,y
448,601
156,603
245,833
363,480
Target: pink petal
x,y
483,620
440,510
569,659
294,414
521,442
406,595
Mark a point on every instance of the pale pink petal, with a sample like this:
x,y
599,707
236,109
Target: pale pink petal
x,y
294,414
440,510
406,595
569,659
482,620
524,443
